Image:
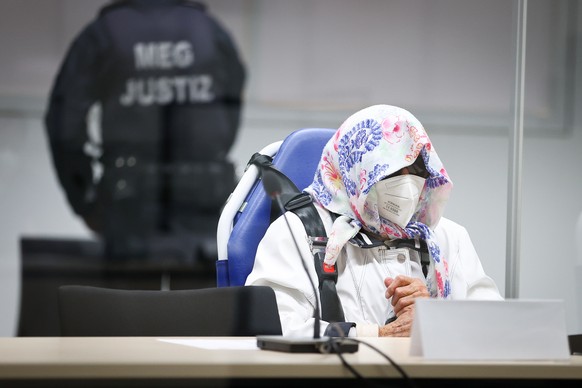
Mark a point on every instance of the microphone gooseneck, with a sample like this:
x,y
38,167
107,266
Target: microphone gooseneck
x,y
272,186
271,183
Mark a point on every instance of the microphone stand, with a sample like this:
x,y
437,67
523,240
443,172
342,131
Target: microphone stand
x,y
316,309
317,344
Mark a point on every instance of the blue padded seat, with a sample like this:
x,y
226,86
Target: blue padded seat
x,y
297,157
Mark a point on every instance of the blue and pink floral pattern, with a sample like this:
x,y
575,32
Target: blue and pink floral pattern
x,y
370,145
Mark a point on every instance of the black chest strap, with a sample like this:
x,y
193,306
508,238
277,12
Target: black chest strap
x,y
419,246
301,204
331,308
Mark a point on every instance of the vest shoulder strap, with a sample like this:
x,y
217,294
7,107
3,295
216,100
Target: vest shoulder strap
x,y
301,204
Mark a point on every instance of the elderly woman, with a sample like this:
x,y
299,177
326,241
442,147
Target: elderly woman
x,y
379,182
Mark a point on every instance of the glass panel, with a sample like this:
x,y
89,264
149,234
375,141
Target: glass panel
x,y
311,63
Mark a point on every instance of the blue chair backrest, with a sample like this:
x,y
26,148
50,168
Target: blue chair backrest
x,y
297,157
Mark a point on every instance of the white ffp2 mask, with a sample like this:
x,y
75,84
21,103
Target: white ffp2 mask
x,y
398,198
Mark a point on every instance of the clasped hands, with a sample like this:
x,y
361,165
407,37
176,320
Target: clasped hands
x,y
403,290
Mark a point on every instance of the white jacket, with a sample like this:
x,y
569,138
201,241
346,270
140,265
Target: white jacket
x,y
361,274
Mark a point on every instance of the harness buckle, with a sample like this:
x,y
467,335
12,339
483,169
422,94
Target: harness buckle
x,y
317,244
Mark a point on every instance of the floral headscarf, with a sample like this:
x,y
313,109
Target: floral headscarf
x,y
370,145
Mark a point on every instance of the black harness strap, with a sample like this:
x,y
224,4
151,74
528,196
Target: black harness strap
x,y
301,204
421,247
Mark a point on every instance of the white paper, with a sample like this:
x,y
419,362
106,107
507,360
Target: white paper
x,y
236,344
489,330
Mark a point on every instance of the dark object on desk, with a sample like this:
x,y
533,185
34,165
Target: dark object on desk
x,y
575,342
307,345
226,311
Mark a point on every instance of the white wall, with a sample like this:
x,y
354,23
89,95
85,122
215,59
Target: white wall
x,y
312,63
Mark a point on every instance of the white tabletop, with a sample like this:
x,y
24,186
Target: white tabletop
x,y
238,357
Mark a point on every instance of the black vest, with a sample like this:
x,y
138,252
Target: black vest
x,y
170,84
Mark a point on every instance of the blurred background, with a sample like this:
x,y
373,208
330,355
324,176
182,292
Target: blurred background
x,y
312,63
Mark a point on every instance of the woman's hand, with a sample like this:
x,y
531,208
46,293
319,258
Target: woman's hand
x,y
401,327
403,290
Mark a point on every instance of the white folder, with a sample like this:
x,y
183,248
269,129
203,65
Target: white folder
x,y
489,330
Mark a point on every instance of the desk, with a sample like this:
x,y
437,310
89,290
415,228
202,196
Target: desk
x,y
144,361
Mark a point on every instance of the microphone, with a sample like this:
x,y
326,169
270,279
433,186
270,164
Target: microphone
x,y
272,185
273,188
